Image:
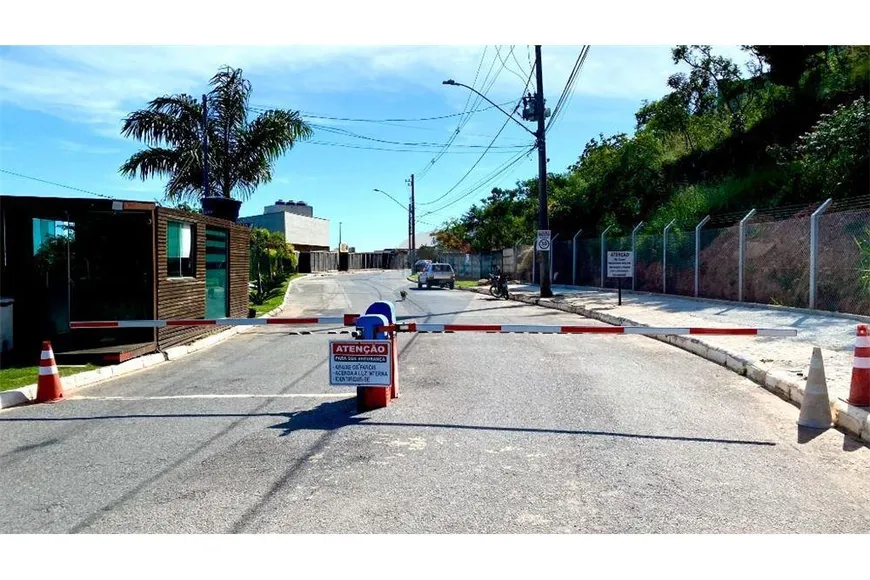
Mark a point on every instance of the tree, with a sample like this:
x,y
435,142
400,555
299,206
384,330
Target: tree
x,y
272,258
427,253
712,81
241,151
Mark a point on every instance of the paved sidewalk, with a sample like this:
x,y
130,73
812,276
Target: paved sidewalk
x,y
786,360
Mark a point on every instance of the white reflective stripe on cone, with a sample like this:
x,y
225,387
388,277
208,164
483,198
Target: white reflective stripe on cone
x,y
52,370
861,362
862,341
47,354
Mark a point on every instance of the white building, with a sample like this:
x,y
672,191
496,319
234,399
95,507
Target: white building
x,y
296,221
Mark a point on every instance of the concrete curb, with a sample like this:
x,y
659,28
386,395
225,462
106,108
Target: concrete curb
x,y
71,384
851,419
752,305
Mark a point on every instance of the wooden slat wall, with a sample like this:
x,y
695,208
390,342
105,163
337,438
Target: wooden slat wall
x,y
185,298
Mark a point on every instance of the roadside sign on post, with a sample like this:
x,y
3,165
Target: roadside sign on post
x,y
360,363
543,241
620,265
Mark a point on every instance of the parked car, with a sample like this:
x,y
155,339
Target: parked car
x,y
437,275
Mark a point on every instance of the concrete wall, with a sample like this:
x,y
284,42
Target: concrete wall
x,y
299,230
306,231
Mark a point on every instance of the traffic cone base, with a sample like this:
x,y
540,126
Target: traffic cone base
x,y
859,392
816,405
48,386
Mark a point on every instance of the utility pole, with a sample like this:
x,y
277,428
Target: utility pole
x,y
412,226
533,110
339,236
543,219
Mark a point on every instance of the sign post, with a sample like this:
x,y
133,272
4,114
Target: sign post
x,y
620,265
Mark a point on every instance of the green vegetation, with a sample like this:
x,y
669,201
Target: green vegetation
x,y
794,131
274,297
16,377
272,260
466,284
241,151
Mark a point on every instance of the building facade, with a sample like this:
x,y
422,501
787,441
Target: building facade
x,y
74,259
296,221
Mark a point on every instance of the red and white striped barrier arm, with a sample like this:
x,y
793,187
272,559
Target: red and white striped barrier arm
x,y
553,329
345,320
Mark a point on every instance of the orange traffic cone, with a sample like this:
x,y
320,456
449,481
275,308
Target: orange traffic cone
x,y
859,394
48,387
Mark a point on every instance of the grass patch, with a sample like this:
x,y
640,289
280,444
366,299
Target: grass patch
x,y
15,377
274,298
466,284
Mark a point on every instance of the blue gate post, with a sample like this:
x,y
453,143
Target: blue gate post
x,y
388,311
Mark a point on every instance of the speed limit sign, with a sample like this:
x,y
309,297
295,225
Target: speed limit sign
x,y
543,242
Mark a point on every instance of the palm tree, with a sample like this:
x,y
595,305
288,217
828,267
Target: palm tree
x,y
240,152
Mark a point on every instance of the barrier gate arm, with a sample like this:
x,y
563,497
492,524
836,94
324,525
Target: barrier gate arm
x,y
344,320
553,329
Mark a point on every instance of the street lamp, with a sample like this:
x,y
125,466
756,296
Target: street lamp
x,y
453,83
540,143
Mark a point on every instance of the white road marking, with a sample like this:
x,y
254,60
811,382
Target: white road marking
x,y
218,396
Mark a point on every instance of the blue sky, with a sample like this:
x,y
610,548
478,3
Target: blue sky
x,y
61,110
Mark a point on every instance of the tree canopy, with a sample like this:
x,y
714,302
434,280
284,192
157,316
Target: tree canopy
x,y
241,149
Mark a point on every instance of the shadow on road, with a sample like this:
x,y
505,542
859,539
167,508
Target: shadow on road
x,y
334,415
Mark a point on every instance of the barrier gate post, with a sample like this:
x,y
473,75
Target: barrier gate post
x,y
388,311
368,398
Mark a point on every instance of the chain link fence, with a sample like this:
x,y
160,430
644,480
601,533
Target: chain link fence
x,y
844,262
776,259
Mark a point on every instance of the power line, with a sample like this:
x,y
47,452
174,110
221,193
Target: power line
x,y
404,143
356,120
509,118
477,99
56,184
568,92
504,64
459,125
495,175
467,173
396,150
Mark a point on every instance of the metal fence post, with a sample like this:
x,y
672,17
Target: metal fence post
x,y
665,256
814,249
534,263
552,251
574,258
698,227
741,254
603,253
634,254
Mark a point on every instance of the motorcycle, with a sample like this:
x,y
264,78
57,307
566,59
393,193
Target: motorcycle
x,y
498,286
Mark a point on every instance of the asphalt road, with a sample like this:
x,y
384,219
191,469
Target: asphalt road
x,y
492,433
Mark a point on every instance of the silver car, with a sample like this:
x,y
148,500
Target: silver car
x,y
437,275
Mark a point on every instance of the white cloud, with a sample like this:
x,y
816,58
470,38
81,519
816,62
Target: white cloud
x,y
100,85
82,148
